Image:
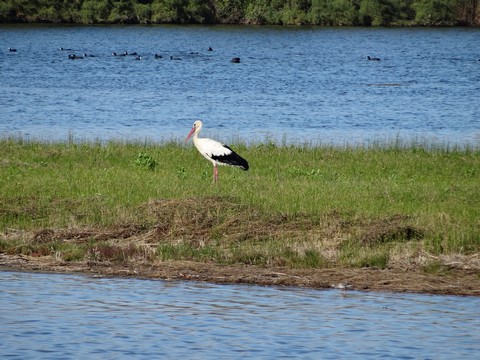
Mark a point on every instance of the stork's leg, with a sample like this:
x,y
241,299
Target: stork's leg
x,y
215,173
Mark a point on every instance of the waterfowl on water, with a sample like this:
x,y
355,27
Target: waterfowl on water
x,y
373,58
235,60
74,57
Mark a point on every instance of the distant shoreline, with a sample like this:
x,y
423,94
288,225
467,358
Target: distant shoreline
x,y
246,24
253,12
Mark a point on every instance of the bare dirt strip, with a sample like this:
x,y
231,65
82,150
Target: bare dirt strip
x,y
364,279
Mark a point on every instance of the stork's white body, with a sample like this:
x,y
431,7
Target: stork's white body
x,y
215,152
210,148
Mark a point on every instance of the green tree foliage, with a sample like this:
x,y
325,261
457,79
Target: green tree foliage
x,y
21,10
230,11
295,12
95,11
165,11
182,11
257,12
122,12
343,13
434,12
143,13
278,12
370,12
200,11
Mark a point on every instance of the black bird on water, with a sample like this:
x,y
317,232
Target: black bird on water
x,y
74,57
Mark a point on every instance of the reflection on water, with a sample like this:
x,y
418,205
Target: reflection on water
x,y
45,316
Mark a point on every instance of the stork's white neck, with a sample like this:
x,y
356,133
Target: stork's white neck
x,y
198,128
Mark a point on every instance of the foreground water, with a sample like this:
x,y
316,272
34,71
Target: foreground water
x,y
46,316
305,85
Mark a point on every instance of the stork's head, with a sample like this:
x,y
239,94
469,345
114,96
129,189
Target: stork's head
x,y
197,126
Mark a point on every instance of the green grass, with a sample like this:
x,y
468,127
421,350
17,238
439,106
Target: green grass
x,y
297,206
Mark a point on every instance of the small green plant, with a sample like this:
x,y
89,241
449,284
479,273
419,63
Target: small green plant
x,y
182,173
186,252
303,172
145,161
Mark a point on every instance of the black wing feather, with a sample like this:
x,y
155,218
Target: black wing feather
x,y
232,159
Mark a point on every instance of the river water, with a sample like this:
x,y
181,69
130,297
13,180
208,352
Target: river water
x,y
45,316
298,85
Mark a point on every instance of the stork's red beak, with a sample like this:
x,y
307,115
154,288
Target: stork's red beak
x,y
190,133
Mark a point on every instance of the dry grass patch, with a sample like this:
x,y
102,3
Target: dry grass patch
x,y
220,229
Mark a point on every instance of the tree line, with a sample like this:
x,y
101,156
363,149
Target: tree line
x,y
261,12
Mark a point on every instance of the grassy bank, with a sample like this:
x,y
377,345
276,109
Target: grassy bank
x,y
301,207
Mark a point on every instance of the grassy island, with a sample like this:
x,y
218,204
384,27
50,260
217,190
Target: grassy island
x,y
395,207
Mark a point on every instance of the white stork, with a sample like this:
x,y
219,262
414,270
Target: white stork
x,y
215,152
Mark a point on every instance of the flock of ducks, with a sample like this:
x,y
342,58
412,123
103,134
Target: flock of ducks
x,y
72,56
235,60
136,56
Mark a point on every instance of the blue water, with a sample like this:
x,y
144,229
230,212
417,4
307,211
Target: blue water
x,y
300,85
47,316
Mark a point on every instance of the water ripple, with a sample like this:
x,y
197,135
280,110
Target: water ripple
x,y
48,316
307,85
